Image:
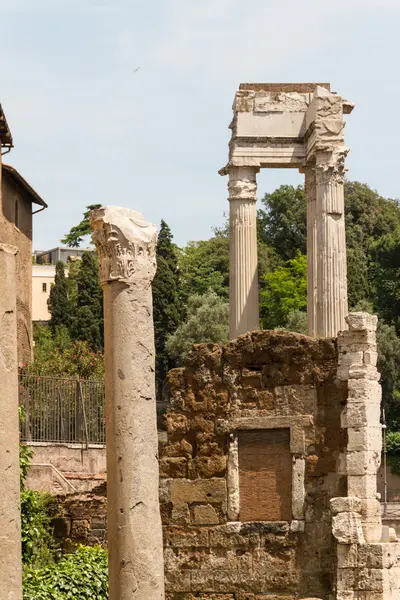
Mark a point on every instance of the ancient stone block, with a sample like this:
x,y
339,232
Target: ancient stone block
x,y
362,486
360,414
361,321
205,515
79,529
212,491
346,528
345,504
173,467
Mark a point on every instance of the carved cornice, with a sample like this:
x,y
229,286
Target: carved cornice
x,y
126,244
329,166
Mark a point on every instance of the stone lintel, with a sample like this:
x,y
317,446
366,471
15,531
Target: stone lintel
x,y
296,424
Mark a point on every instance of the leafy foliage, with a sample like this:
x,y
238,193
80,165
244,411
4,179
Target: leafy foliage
x,y
37,541
88,315
285,292
58,302
166,301
204,266
58,356
206,321
282,221
74,238
79,576
38,547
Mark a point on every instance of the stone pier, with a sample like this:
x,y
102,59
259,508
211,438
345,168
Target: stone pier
x,y
126,246
10,514
243,279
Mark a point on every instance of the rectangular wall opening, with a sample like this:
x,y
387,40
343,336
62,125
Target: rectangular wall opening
x,y
265,475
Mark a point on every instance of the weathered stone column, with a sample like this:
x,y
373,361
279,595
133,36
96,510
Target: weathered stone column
x,y
312,250
243,277
10,503
126,246
331,295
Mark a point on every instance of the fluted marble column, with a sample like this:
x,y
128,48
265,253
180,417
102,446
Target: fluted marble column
x,y
243,277
10,513
331,295
126,246
312,250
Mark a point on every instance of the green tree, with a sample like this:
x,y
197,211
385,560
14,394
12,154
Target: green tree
x,y
285,291
75,236
204,265
389,368
166,302
59,303
206,321
282,221
88,318
387,277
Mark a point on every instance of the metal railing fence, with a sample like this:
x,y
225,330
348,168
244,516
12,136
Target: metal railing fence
x,y
61,410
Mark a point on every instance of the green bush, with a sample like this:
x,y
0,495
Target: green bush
x,y
79,576
38,546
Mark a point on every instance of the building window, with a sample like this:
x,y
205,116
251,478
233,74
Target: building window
x,y
44,287
265,475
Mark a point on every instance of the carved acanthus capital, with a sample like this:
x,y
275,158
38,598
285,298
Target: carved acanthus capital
x,y
329,166
126,244
242,183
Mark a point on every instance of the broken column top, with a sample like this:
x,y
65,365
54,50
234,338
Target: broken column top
x,y
126,244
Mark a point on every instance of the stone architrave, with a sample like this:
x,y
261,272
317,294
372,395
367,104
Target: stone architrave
x,y
126,246
243,276
10,513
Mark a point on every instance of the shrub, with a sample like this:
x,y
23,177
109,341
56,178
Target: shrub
x,y
79,576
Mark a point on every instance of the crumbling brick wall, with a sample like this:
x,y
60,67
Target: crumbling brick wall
x,y
261,381
82,519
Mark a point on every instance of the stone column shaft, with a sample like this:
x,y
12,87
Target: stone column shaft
x,y
243,263
10,502
331,295
126,246
312,251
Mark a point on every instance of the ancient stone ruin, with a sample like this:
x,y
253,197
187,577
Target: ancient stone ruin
x,y
282,125
268,488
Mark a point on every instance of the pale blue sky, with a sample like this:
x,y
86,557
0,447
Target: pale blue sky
x,y
87,129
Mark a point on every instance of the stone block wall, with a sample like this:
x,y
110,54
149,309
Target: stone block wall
x,y
261,381
82,519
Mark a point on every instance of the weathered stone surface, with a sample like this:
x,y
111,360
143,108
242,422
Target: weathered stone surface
x,y
346,528
345,504
10,517
205,515
126,246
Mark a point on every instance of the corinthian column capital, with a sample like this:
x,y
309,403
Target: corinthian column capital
x,y
242,183
126,244
329,166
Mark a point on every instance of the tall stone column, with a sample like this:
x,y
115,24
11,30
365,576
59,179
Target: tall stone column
x,y
10,503
243,277
126,246
312,250
331,295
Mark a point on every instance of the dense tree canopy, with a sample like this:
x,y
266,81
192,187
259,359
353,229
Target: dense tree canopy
x,y
59,302
206,321
166,301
